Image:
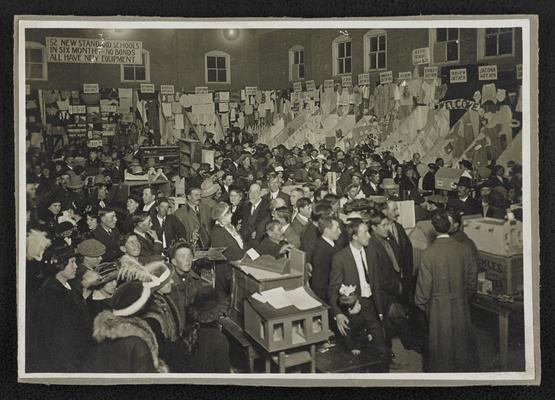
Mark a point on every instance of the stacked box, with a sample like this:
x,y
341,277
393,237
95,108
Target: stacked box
x,y
505,273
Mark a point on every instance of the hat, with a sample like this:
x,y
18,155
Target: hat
x,y
389,184
205,167
218,211
208,305
279,168
130,298
91,248
99,180
63,227
75,182
464,181
107,271
160,274
208,188
58,254
437,198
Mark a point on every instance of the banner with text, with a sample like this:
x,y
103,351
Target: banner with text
x,y
363,79
421,56
310,85
347,81
250,90
407,76
298,86
458,75
458,104
329,84
430,72
93,51
167,89
487,72
386,77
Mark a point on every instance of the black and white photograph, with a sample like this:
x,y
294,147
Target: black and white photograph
x,y
277,201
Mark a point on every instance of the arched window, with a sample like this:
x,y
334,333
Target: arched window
x,y
375,50
217,67
137,72
341,49
296,63
35,62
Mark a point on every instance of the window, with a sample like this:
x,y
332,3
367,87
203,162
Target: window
x,y
497,42
445,47
342,55
296,63
35,62
217,67
375,50
137,72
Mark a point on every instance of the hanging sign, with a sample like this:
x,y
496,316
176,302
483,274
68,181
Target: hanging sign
x,y
519,71
298,86
167,89
147,88
363,79
458,75
93,51
406,76
310,85
328,84
250,90
386,77
430,72
89,88
201,89
347,81
487,72
421,56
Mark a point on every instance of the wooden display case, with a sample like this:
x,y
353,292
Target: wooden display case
x,y
190,151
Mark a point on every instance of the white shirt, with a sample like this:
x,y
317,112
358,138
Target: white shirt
x,y
274,195
255,206
374,186
329,241
161,221
360,261
302,218
147,207
442,235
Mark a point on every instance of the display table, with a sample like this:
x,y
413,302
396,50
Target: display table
x,y
504,311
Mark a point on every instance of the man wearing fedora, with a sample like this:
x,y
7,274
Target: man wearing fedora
x,y
464,203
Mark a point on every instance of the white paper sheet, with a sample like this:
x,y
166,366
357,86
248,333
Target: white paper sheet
x,y
277,298
301,299
253,254
259,297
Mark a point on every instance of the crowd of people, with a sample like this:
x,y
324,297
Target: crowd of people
x,y
111,284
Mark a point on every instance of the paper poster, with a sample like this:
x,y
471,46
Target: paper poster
x,y
90,88
250,90
458,75
167,89
328,84
363,79
407,217
208,157
421,56
125,92
179,121
201,89
386,77
147,88
310,85
93,51
298,86
405,76
519,71
223,107
347,81
487,72
430,72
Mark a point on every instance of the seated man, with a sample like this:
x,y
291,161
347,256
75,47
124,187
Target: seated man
x,y
274,243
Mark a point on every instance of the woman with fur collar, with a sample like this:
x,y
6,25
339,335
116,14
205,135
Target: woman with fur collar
x,y
126,343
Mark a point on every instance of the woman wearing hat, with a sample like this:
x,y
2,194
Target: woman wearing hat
x,y
225,235
126,343
59,326
48,212
103,288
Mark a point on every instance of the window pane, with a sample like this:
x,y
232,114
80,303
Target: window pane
x,y
27,54
373,61
128,73
382,42
36,71
373,43
348,65
341,50
222,75
140,73
453,34
381,60
452,51
211,62
441,35
211,75
340,66
35,55
221,62
348,49
296,57
506,43
301,71
491,45
301,57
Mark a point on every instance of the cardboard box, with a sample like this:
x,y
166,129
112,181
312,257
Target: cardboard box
x,y
505,273
447,178
495,236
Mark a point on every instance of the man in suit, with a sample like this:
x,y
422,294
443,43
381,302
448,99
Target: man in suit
x,y
490,206
189,217
149,198
151,245
166,226
236,205
373,188
254,211
273,244
324,248
349,266
464,203
283,215
107,234
274,186
227,185
302,219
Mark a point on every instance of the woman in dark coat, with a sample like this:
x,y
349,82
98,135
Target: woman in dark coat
x,y
225,235
60,331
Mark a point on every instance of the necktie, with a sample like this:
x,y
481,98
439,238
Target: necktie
x,y
364,265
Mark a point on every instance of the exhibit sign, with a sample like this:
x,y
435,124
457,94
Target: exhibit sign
x,y
93,51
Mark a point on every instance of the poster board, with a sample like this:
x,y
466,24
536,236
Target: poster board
x,y
407,216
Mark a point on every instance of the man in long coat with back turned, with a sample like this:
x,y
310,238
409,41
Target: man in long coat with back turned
x,y
446,281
